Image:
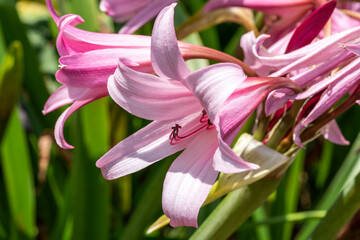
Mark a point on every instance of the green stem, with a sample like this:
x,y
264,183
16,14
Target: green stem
x,y
262,126
346,205
284,125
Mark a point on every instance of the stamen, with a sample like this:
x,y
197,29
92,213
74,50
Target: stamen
x,y
204,116
204,123
210,125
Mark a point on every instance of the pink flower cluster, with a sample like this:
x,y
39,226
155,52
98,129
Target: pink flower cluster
x,y
201,112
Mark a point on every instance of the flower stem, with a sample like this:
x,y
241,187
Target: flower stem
x,y
262,126
288,121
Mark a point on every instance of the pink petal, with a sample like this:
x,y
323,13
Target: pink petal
x,y
355,48
314,53
236,110
62,96
247,42
273,104
332,132
165,53
65,22
234,113
280,7
74,40
144,15
340,21
311,26
330,96
52,10
88,96
350,71
206,82
151,97
226,161
297,132
92,69
189,180
309,77
143,148
334,93
122,10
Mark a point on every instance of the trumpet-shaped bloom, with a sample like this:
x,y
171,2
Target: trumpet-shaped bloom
x,y
87,59
333,88
199,112
138,12
310,66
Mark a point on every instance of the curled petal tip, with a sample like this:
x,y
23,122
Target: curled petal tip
x,y
69,20
296,136
174,224
64,144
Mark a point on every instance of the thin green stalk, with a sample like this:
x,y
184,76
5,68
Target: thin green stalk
x,y
347,172
284,125
290,218
262,126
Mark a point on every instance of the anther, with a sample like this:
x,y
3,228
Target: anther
x,y
204,116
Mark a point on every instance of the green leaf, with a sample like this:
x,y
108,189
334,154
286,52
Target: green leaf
x,y
345,207
149,205
33,80
262,232
347,172
90,191
18,177
287,197
325,164
11,72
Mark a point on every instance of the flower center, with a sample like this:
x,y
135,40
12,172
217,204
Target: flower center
x,y
204,123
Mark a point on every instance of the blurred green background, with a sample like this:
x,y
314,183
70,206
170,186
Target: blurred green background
x,y
50,193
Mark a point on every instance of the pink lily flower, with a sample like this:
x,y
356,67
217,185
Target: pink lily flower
x,y
297,63
138,12
87,59
301,36
299,9
199,112
329,56
333,88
